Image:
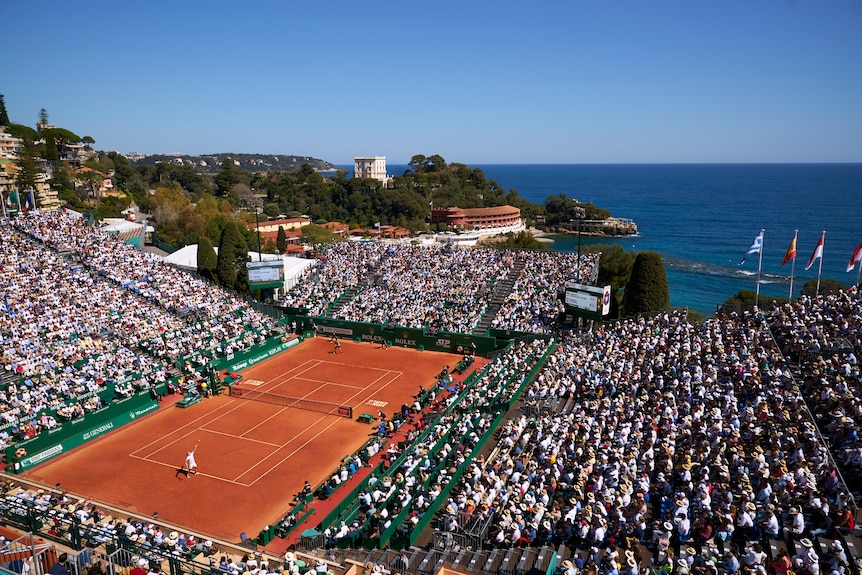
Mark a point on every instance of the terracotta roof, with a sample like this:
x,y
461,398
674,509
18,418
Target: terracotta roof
x,y
494,211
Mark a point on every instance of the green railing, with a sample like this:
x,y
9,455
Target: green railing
x,y
350,499
453,481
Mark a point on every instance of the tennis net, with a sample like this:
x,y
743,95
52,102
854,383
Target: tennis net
x,y
288,401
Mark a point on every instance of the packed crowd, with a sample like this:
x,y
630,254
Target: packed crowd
x,y
138,271
422,465
431,286
82,313
534,305
827,332
148,542
437,287
342,267
672,436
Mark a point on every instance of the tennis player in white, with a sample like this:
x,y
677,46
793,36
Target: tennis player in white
x,y
189,466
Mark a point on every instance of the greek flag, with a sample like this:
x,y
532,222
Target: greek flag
x,y
755,247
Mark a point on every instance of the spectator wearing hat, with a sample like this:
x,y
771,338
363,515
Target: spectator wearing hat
x,y
745,522
806,560
794,524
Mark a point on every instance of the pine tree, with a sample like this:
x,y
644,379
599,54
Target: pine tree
x,y
226,177
28,169
647,289
207,259
281,240
4,117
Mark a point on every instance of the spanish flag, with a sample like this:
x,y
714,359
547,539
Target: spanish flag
x,y
790,254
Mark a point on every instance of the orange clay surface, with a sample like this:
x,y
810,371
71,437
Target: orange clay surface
x,y
252,456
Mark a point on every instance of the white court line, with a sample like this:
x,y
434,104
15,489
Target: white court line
x,y
397,374
244,438
227,409
292,453
216,477
295,372
164,437
324,382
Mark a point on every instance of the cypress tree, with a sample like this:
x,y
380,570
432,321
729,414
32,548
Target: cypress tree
x,y
281,240
231,250
207,259
647,289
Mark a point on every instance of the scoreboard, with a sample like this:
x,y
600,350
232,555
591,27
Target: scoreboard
x,y
265,274
588,302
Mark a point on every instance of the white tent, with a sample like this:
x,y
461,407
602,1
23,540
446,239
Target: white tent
x,y
293,268
187,257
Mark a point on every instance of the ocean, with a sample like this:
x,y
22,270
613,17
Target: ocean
x,y
703,218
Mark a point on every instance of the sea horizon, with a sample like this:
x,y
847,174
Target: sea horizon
x,y
702,217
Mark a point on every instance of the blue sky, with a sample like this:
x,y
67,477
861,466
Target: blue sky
x,y
598,81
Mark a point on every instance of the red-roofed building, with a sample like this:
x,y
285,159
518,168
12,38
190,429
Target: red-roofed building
x,y
473,218
337,228
388,232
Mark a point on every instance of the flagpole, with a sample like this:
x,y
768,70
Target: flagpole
x,y
820,264
759,265
793,265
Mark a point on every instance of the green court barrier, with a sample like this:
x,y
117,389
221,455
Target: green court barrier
x,y
409,337
256,354
72,434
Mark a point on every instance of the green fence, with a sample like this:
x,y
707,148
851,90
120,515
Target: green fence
x,y
410,337
256,354
350,499
510,334
162,245
72,434
431,512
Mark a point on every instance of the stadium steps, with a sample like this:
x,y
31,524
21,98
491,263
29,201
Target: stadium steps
x,y
429,560
342,301
502,290
7,377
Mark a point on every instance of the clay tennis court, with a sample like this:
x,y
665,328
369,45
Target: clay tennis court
x,y
252,456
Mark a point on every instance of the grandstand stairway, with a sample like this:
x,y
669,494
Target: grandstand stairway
x,y
420,560
342,301
371,278
502,289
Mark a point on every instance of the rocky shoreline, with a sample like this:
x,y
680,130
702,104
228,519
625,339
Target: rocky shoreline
x,y
609,228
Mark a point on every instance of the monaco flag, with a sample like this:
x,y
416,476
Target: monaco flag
x,y
818,252
855,258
